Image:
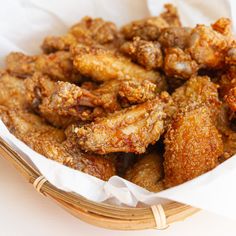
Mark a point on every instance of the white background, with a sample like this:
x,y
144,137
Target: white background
x,y
24,212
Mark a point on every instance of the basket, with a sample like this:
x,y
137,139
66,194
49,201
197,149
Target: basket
x,y
100,214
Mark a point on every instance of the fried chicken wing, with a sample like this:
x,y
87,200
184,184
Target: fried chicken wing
x,y
145,53
37,90
209,47
192,146
52,143
102,65
87,31
58,66
129,130
150,28
147,172
179,64
172,37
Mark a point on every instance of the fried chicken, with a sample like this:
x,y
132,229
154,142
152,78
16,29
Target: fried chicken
x,y
179,64
174,37
102,64
58,66
145,53
129,130
209,47
150,28
192,146
52,143
87,31
147,172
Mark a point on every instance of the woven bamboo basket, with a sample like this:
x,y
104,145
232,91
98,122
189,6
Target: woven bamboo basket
x,y
100,214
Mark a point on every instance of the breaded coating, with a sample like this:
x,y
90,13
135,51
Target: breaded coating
x,y
136,92
208,47
51,143
228,135
192,146
198,90
231,56
179,64
223,26
150,28
147,172
145,53
175,37
37,89
129,130
12,91
87,31
230,99
58,66
102,65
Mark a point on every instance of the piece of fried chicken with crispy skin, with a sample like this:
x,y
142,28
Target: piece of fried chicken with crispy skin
x,y
58,66
209,47
38,89
150,28
129,130
51,142
145,53
192,146
147,172
87,31
102,65
178,63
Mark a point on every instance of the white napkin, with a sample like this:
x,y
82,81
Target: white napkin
x,y
23,25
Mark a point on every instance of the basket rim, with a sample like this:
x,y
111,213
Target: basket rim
x,y
116,217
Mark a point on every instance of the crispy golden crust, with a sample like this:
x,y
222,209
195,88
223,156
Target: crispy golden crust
x,y
128,130
12,91
102,65
147,172
51,143
150,28
179,64
192,146
38,89
145,53
58,66
174,37
223,26
208,47
199,90
87,31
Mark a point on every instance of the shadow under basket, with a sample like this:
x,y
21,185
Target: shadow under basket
x,y
100,214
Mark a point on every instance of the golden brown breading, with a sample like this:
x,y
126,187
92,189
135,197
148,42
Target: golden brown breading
x,y
37,89
178,63
175,37
198,90
150,28
231,56
145,53
147,172
102,64
192,146
228,135
50,142
136,92
87,31
129,130
223,26
208,47
12,91
58,66
230,99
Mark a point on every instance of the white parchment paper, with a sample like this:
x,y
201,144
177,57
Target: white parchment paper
x,y
23,25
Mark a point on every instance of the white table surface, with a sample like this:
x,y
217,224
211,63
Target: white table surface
x,y
25,212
